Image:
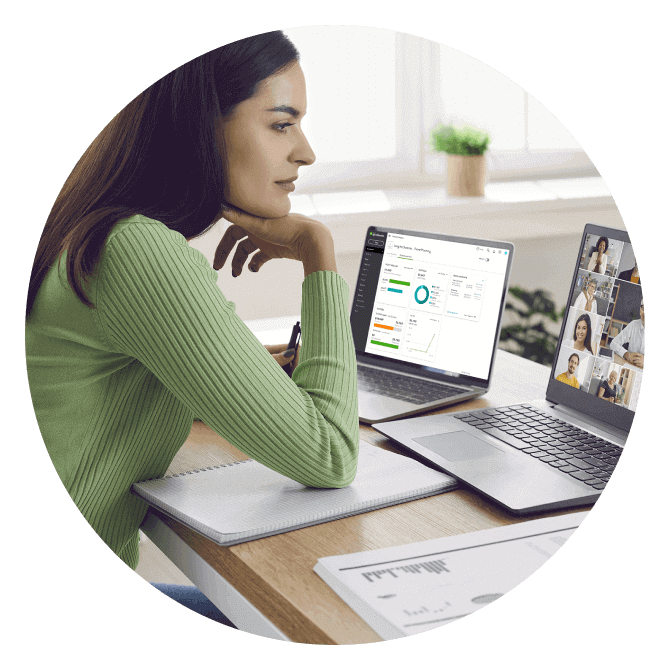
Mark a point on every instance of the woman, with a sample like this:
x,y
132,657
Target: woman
x,y
128,336
582,336
586,300
598,262
608,388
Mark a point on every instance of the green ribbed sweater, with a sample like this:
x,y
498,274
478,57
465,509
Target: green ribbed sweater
x,y
115,388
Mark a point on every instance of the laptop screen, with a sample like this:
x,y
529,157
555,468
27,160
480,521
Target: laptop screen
x,y
599,361
432,303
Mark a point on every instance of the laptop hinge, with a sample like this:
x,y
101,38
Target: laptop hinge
x,y
446,382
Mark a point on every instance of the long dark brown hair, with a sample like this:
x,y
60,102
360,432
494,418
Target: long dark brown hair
x,y
158,157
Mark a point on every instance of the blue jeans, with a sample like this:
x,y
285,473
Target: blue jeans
x,y
191,597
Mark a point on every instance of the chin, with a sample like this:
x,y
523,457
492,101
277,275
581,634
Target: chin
x,y
279,210
267,210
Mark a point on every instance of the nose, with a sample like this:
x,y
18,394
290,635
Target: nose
x,y
302,151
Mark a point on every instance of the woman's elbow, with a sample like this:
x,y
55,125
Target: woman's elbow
x,y
343,480
343,468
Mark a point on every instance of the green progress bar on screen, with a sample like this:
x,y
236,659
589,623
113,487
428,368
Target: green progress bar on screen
x,y
397,281
384,344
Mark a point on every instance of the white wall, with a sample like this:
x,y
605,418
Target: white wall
x,y
546,251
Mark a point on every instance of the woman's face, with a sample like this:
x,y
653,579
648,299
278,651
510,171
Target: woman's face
x,y
581,331
612,378
265,145
601,247
591,289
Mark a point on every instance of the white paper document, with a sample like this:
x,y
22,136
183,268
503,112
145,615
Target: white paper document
x,y
409,589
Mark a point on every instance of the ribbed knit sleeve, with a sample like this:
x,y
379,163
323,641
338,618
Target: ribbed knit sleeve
x,y
157,300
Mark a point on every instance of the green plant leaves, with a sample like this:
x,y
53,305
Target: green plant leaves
x,y
464,141
528,337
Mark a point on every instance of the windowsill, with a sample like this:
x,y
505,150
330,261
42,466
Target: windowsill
x,y
429,208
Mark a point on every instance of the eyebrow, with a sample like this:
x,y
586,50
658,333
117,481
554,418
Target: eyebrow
x,y
286,110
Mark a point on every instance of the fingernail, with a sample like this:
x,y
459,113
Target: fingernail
x,y
289,353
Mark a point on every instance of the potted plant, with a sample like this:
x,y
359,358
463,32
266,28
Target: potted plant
x,y
466,164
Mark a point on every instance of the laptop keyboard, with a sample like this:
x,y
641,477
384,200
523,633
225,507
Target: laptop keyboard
x,y
415,391
562,445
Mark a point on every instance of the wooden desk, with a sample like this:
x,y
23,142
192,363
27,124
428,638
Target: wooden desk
x,y
268,586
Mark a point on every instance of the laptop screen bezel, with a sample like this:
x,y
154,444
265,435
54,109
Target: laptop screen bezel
x,y
562,394
426,371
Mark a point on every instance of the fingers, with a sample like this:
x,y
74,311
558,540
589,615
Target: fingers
x,y
259,259
230,238
285,357
276,348
241,254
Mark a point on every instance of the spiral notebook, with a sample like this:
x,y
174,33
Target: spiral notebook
x,y
244,501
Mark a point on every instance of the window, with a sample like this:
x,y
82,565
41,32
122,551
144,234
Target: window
x,y
374,95
475,94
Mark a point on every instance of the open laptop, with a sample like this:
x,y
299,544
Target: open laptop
x,y
558,452
426,320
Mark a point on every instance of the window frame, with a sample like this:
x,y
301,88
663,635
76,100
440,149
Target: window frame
x,y
418,78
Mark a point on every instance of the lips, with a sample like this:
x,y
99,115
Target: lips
x,y
287,184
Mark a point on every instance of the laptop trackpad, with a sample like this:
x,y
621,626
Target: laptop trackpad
x,y
459,446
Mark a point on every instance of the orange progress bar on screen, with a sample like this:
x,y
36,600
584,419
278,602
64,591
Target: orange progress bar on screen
x,y
379,325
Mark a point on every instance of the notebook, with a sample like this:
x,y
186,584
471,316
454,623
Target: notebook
x,y
426,320
244,501
558,452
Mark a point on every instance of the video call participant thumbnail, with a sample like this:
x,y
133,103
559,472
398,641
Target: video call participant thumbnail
x,y
569,377
633,336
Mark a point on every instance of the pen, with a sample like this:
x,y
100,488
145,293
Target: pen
x,y
293,344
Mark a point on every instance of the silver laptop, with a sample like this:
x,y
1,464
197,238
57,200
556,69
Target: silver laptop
x,y
426,320
558,452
